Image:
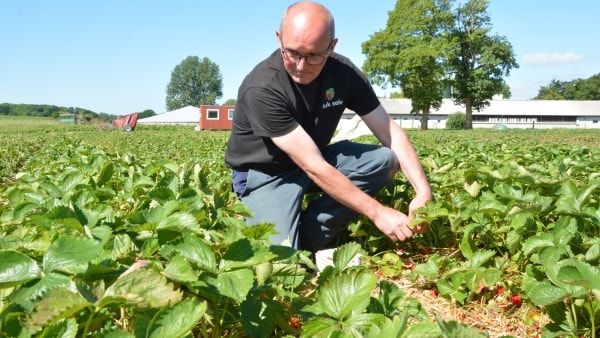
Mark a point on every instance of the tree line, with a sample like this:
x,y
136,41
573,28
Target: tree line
x,y
579,89
47,110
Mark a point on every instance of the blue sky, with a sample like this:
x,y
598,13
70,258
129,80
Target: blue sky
x,y
116,57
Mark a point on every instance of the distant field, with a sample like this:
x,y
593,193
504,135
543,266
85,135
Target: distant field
x,y
585,137
18,123
28,123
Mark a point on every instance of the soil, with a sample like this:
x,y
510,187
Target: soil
x,y
516,322
499,317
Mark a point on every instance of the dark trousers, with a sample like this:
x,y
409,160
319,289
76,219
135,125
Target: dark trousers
x,y
277,198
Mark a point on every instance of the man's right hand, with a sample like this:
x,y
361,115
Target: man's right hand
x,y
393,223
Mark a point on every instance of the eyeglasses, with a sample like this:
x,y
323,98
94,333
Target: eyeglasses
x,y
293,56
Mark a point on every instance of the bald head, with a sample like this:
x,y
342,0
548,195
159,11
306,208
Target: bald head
x,y
306,39
308,19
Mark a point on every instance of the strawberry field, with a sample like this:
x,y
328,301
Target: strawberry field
x,y
115,234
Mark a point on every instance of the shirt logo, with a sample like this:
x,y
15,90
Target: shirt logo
x,y
329,95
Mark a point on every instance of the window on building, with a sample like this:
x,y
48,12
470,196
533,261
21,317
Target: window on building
x,y
558,119
516,119
230,114
212,114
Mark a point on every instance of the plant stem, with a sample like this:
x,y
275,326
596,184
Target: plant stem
x,y
293,284
592,320
223,313
574,314
88,322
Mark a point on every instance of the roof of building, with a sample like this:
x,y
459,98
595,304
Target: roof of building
x,y
505,107
188,114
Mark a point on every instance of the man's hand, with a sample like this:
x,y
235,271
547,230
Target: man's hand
x,y
393,223
391,135
418,202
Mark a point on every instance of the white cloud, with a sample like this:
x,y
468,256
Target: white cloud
x,y
550,58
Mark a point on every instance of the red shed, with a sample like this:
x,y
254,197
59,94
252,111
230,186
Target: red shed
x,y
216,117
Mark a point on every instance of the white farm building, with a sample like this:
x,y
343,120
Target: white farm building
x,y
188,115
514,114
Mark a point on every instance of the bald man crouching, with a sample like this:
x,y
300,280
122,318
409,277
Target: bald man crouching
x,y
288,108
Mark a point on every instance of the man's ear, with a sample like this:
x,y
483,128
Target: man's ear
x,y
333,43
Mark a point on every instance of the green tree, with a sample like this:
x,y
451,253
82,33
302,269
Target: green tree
x,y
590,89
194,83
478,60
5,109
408,53
553,91
573,89
106,117
146,113
579,89
230,102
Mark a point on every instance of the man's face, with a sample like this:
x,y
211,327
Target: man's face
x,y
304,59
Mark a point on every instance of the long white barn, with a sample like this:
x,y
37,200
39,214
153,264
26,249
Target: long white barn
x,y
521,114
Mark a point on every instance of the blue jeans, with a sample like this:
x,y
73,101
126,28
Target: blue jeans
x,y
277,198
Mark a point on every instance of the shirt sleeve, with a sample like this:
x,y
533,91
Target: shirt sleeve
x,y
368,99
268,113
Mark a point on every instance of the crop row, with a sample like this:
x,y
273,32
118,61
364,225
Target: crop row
x,y
138,234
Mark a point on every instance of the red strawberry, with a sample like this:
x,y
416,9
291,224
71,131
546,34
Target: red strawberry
x,y
294,322
516,300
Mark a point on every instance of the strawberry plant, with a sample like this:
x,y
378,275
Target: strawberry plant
x,y
138,234
500,199
99,244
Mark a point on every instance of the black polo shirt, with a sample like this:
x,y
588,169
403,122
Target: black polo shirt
x,y
271,104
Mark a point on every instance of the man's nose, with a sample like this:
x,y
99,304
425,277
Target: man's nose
x,y
301,63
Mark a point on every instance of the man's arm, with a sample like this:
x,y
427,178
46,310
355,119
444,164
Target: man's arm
x,y
392,136
303,151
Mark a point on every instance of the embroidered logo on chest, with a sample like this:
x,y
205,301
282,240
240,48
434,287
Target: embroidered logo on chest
x,y
329,95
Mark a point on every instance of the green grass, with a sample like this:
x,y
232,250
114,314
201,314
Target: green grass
x,y
25,123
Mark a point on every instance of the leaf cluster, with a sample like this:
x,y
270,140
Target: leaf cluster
x,y
138,234
520,216
121,235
